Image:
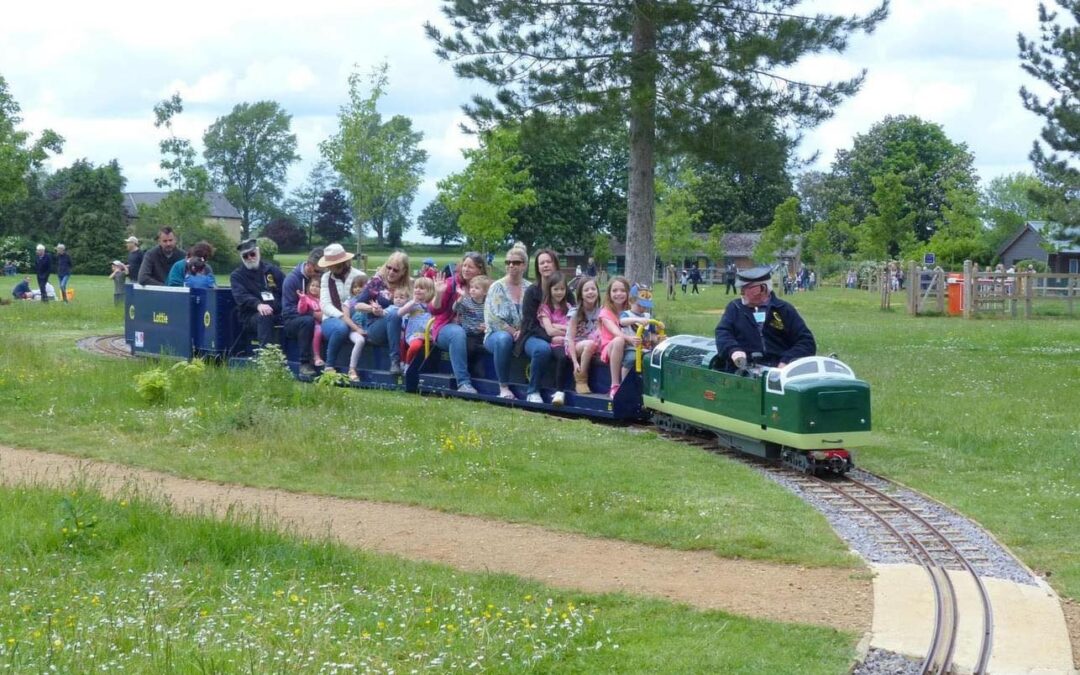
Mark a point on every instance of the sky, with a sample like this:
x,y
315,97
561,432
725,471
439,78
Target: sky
x,y
92,72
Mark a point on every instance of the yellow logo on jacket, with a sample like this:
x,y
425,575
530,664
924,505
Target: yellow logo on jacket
x,y
776,321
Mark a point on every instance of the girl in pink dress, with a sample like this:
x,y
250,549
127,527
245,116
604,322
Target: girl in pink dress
x,y
613,341
309,304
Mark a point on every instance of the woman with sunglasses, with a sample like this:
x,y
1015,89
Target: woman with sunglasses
x,y
545,264
377,300
449,336
758,321
502,316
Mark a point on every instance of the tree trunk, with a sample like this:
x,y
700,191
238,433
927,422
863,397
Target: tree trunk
x,y
640,247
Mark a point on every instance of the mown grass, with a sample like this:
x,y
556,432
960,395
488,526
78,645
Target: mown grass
x,y
92,585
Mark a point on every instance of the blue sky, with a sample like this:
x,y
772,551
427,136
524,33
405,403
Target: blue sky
x,y
93,72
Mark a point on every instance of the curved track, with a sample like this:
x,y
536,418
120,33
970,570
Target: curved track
x,y
107,345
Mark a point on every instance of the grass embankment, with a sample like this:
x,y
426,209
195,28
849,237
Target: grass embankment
x,y
94,585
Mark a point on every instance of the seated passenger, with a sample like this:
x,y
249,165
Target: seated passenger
x,y
553,318
583,332
616,345
448,335
357,335
758,321
307,304
193,265
336,281
639,315
415,315
469,312
383,325
503,317
256,288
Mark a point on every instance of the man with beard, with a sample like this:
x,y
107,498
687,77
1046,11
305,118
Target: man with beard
x,y
760,322
256,288
159,260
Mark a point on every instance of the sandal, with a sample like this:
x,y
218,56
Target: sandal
x,y
353,377
319,363
507,394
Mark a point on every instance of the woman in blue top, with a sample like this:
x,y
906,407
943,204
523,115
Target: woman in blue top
x,y
193,271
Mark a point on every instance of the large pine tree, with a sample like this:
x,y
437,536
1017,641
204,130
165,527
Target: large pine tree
x,y
1055,60
666,67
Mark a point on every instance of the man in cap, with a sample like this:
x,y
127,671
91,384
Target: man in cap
x,y
134,259
158,261
63,269
758,321
301,327
43,268
256,288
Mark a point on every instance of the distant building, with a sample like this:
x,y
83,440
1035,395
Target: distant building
x,y
1031,242
222,213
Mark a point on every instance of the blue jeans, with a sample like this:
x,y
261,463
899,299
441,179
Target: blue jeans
x,y
386,331
501,346
452,339
63,287
335,334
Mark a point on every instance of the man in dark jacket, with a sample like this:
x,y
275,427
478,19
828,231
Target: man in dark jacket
x,y
758,321
729,279
22,290
256,288
63,269
43,268
300,327
159,260
134,259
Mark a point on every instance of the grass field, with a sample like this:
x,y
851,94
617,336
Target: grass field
x,y
980,414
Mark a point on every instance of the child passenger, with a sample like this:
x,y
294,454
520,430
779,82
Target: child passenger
x,y
415,316
613,340
308,303
638,315
119,271
583,332
357,336
552,315
469,310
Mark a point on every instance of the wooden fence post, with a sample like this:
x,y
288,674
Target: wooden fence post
x,y
1028,296
968,297
913,288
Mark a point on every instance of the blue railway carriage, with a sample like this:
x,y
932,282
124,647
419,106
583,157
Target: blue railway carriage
x,y
181,322
808,414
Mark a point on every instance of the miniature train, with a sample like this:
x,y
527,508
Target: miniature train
x,y
808,414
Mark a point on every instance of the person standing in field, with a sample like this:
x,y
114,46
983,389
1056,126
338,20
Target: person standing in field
x,y
43,268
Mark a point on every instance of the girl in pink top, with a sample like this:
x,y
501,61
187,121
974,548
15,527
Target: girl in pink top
x,y
309,304
613,341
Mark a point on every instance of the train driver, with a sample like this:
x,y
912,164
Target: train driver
x,y
758,321
256,288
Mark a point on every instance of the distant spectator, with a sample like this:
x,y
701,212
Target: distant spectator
x,y
43,267
684,277
159,260
729,279
590,269
669,280
134,259
429,271
695,279
22,290
119,271
63,269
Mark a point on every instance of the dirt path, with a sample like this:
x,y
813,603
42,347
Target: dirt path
x,y
829,597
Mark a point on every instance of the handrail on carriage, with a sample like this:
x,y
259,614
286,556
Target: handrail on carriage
x,y
639,348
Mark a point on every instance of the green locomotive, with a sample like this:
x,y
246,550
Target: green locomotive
x,y
808,414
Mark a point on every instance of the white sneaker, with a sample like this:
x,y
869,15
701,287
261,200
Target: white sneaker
x,y
466,388
534,397
558,398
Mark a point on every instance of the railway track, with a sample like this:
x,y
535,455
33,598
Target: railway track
x,y
107,345
905,528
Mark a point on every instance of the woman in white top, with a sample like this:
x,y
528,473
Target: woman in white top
x,y
337,280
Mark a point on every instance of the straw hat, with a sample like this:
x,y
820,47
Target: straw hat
x,y
334,254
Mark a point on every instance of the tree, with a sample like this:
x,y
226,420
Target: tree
x,y
1053,60
379,162
18,156
916,152
665,68
284,231
961,235
889,230
783,234
185,207
676,214
601,251
1007,203
303,204
334,222
438,222
486,193
248,153
714,245
92,220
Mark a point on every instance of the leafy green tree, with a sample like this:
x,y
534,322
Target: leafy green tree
x,y
660,67
961,235
831,240
19,156
34,214
438,222
676,214
783,234
714,245
380,163
487,192
334,221
919,153
303,204
1055,61
1007,203
890,229
185,207
92,224
248,153
601,250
